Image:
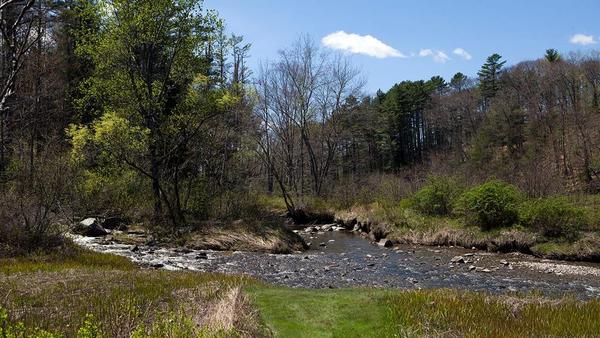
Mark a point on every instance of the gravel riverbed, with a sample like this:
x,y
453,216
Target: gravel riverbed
x,y
341,259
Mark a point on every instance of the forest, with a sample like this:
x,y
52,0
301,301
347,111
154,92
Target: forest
x,y
101,110
151,113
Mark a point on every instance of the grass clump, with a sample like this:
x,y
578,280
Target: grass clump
x,y
491,205
437,197
553,217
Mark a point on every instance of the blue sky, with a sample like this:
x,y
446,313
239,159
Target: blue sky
x,y
412,40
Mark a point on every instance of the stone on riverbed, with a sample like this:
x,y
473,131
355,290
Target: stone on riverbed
x,y
327,227
90,227
384,242
458,260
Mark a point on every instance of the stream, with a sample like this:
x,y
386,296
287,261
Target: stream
x,y
342,259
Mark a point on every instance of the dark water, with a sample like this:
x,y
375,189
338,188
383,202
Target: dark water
x,y
347,260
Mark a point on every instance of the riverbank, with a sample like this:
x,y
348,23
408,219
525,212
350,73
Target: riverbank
x,y
269,234
90,292
405,226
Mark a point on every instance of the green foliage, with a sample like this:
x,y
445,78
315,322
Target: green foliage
x,y
18,330
491,205
90,328
552,217
106,184
437,196
153,75
552,55
459,81
489,76
500,138
171,325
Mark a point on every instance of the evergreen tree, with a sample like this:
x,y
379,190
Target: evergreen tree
x,y
552,55
459,81
489,76
438,84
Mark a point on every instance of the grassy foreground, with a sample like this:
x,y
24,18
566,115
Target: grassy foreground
x,y
97,295
386,313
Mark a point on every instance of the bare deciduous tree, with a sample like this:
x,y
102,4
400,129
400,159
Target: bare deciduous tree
x,y
301,96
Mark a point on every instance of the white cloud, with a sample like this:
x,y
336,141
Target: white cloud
x,y
438,56
360,44
462,53
582,39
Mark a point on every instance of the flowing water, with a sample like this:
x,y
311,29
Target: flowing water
x,y
342,259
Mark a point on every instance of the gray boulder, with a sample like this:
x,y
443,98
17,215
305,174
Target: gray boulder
x,y
384,242
458,259
90,227
327,227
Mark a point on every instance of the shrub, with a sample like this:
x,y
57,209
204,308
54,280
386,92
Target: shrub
x,y
437,196
553,217
491,205
33,204
10,330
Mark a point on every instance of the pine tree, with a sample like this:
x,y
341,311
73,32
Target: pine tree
x,y
459,81
552,55
489,76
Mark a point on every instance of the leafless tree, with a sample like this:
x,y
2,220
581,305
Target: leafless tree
x,y
17,28
301,96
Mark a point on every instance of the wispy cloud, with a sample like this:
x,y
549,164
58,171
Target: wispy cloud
x,y
437,56
462,53
360,44
583,39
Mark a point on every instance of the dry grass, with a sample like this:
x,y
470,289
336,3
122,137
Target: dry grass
x,y
123,301
246,237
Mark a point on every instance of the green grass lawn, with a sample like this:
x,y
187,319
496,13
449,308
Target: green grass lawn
x,y
392,313
324,313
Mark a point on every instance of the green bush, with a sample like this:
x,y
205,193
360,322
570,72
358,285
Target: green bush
x,y
18,330
491,205
553,217
437,196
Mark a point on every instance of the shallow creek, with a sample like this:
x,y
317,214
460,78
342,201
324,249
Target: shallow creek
x,y
342,259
